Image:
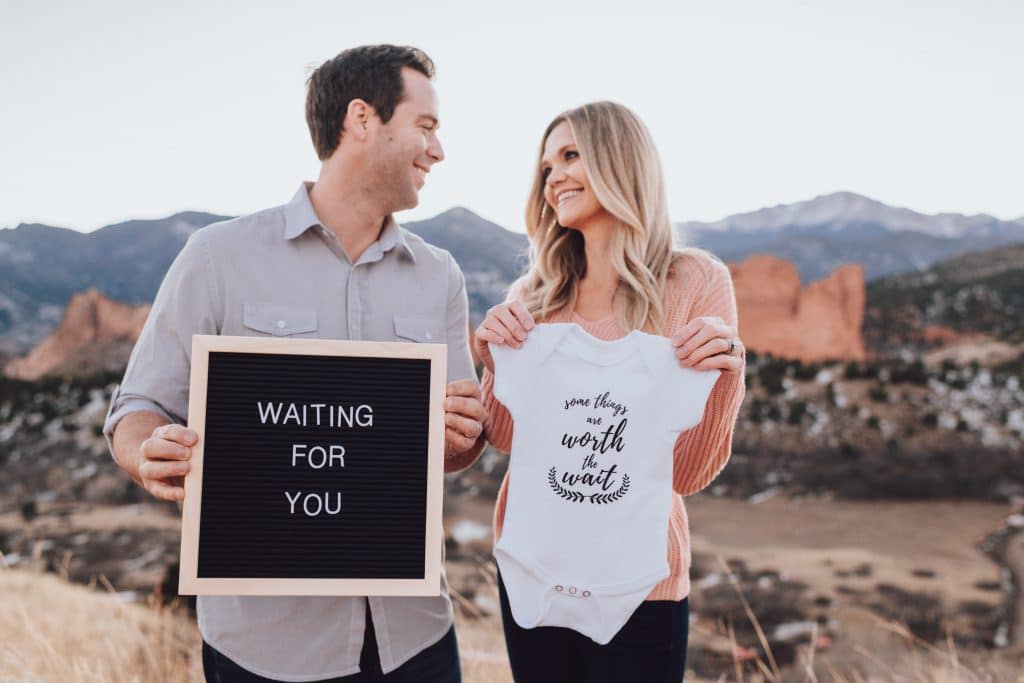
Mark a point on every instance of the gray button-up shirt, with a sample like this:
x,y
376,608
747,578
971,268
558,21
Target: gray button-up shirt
x,y
280,273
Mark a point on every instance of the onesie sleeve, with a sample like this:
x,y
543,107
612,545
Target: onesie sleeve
x,y
508,373
687,392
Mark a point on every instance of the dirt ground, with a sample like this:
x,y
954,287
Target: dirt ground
x,y
919,546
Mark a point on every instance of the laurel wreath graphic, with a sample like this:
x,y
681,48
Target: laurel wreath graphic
x,y
596,498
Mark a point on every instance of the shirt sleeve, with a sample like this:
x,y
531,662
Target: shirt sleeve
x,y
460,360
157,375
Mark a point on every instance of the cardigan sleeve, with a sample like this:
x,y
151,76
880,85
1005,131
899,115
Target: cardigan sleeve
x,y
498,423
702,451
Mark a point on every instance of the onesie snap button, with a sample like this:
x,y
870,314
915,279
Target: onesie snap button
x,y
281,324
572,590
586,594
558,588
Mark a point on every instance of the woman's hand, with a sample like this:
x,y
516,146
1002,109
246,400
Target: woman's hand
x,y
505,324
707,342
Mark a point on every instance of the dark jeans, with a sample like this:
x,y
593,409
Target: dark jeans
x,y
438,663
651,648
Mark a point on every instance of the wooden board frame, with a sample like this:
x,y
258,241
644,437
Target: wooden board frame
x,y
191,584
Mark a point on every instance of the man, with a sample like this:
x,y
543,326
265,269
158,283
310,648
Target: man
x,y
332,263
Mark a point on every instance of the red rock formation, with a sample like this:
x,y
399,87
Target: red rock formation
x,y
779,316
95,334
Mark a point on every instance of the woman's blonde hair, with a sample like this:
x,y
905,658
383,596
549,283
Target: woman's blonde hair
x,y
625,175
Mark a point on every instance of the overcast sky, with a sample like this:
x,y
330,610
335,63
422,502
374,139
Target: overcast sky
x,y
127,110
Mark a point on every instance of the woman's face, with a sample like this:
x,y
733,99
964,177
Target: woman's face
x,y
566,185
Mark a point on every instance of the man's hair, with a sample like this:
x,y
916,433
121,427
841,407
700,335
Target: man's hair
x,y
372,73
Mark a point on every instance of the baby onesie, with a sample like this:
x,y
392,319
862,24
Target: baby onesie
x,y
586,522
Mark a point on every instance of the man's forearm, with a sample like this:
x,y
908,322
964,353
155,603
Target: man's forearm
x,y
128,436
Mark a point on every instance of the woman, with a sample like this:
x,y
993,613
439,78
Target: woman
x,y
602,257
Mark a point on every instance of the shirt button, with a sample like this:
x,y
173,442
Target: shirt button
x,y
280,324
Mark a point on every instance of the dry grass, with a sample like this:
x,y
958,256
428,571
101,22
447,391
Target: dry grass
x,y
54,631
51,630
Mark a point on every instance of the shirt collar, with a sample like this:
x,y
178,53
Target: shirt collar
x,y
299,217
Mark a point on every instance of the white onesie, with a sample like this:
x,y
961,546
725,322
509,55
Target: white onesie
x,y
586,522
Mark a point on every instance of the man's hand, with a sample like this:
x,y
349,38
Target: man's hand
x,y
463,417
165,461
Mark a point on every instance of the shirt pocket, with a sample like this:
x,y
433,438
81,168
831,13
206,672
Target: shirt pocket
x,y
419,329
278,320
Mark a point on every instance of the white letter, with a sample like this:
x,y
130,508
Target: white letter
x,y
337,453
365,416
292,414
346,416
292,500
327,504
323,457
305,505
269,411
295,452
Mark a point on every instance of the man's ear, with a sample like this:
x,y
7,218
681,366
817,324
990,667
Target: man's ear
x,y
357,119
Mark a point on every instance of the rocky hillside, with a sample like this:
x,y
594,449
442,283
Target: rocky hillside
x,y
975,294
892,428
96,334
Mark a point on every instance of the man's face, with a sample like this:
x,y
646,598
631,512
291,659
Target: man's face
x,y
406,147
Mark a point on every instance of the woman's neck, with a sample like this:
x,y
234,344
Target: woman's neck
x,y
595,292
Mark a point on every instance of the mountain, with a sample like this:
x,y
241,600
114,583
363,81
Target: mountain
x,y
490,256
823,233
42,267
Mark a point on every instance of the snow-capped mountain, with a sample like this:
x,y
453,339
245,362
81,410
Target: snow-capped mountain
x,y
842,210
821,234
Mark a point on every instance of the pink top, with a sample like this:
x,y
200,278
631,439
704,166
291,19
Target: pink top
x,y
700,285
